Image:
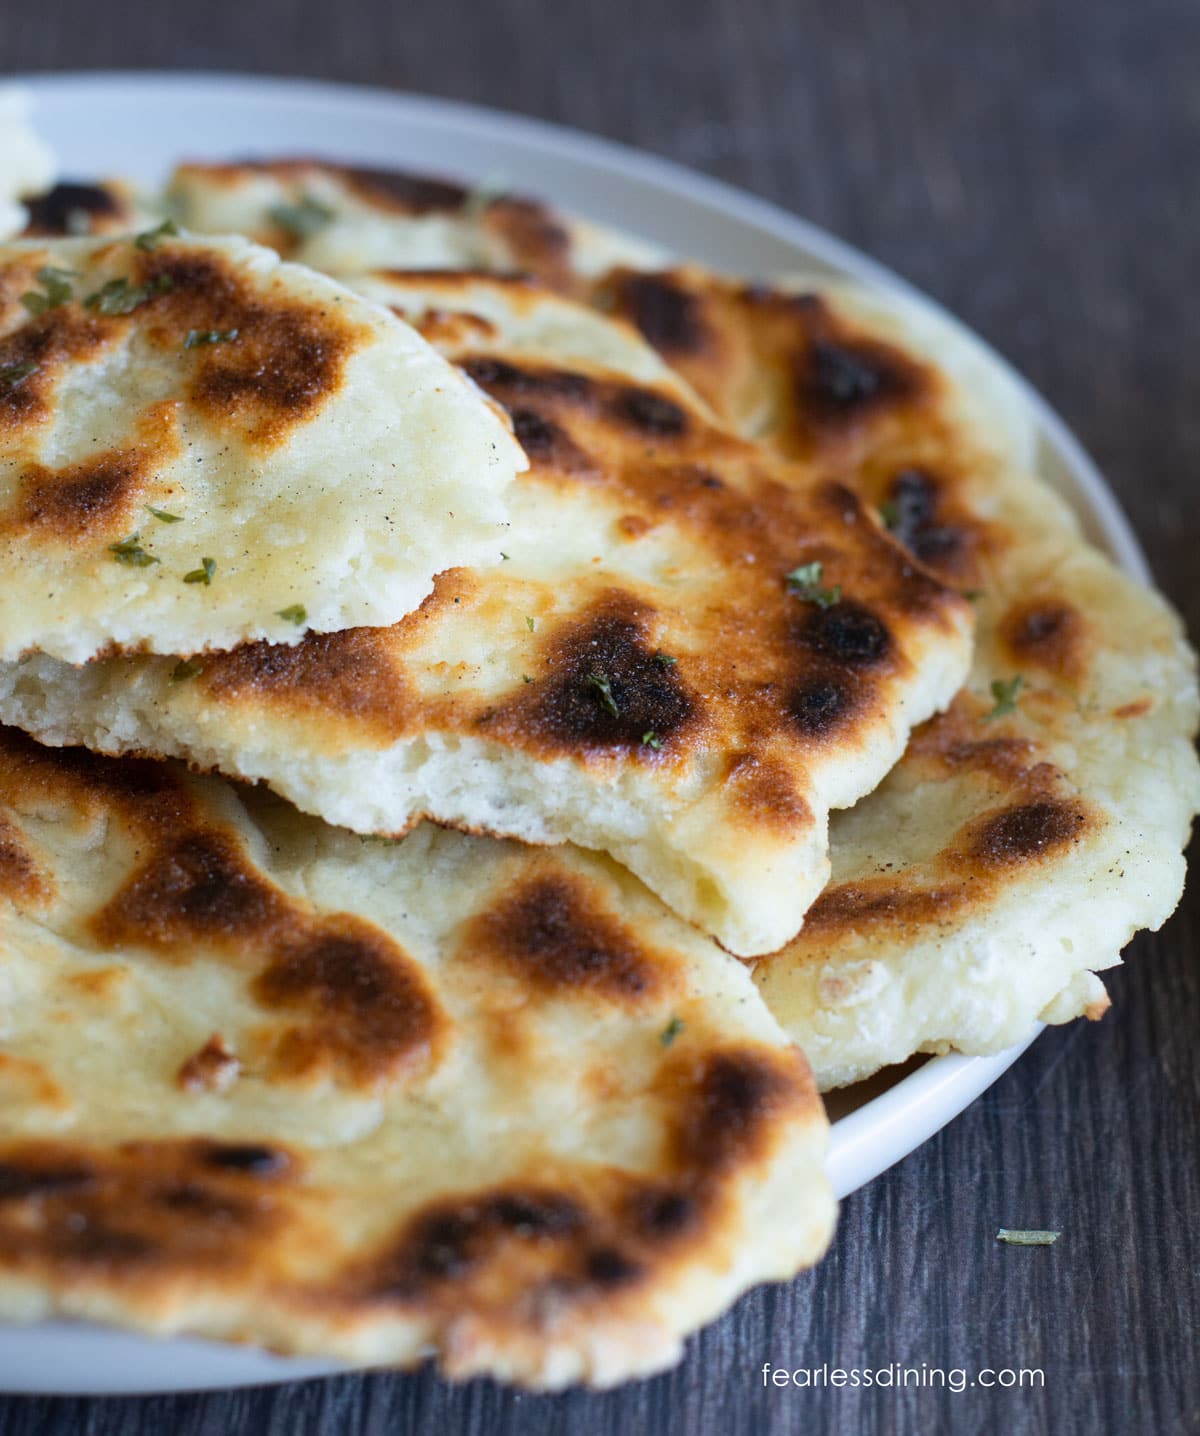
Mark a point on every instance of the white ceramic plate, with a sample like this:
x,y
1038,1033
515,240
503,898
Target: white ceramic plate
x,y
139,125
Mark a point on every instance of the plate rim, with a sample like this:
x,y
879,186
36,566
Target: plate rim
x,y
888,1127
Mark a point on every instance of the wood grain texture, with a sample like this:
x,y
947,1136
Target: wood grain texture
x,y
1034,165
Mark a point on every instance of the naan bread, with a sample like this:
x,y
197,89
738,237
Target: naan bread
x,y
350,220
1011,854
309,449
264,1081
638,675
27,164
73,208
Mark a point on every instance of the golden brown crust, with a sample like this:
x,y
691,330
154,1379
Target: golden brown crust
x,y
510,1147
1024,813
531,236
289,357
819,387
746,665
21,876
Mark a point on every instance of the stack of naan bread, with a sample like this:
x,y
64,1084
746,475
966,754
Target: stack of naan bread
x,y
334,500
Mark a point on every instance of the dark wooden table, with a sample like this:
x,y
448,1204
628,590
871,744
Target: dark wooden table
x,y
1036,165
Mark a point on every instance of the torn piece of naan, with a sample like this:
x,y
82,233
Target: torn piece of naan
x,y
262,1080
201,445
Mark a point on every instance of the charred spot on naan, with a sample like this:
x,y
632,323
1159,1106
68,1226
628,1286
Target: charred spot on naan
x,y
363,1012
1024,833
669,316
74,207
348,675
528,1249
100,497
140,1208
287,358
368,1014
924,512
602,687
553,932
149,797
41,351
199,891
764,794
1047,633
24,879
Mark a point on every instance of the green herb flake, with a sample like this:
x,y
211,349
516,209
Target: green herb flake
x,y
889,514
599,681
973,595
56,290
303,219
129,551
203,574
11,375
805,583
186,668
525,678
152,238
529,623
118,296
665,660
1027,1238
671,1031
198,338
1005,691
163,516
295,613
503,557
650,739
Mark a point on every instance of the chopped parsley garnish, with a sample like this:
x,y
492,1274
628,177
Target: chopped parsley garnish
x,y
529,623
294,613
198,338
186,668
889,513
302,219
118,296
131,552
151,238
651,739
203,574
665,660
163,516
1005,691
1027,1238
805,583
972,595
13,374
525,678
56,290
503,557
671,1031
599,681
